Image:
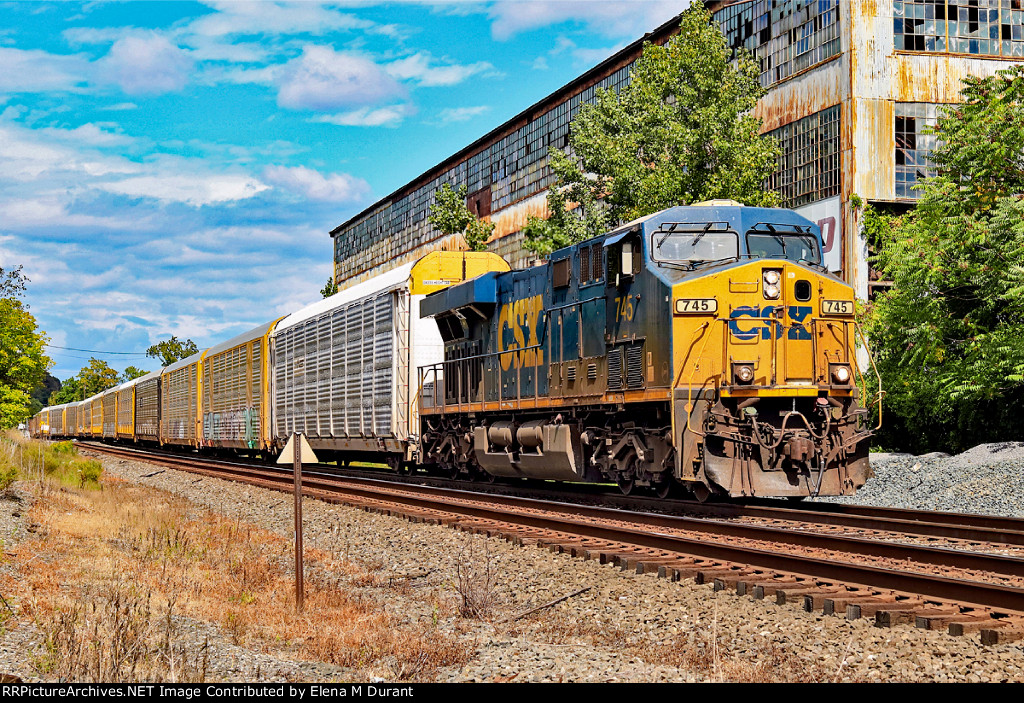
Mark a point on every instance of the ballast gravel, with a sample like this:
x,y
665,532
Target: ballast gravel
x,y
987,479
626,627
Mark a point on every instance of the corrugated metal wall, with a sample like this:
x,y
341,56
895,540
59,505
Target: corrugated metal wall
x,y
334,374
147,409
180,395
232,401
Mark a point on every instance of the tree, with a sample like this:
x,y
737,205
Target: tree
x,y
330,288
23,364
12,283
949,336
680,132
449,215
171,350
97,377
131,373
70,391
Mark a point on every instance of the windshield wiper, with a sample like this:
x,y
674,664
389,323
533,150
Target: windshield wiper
x,y
700,236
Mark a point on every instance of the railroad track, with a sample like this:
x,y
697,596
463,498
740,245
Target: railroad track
x,y
964,574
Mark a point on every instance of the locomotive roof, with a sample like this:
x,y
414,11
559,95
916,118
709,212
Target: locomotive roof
x,y
739,217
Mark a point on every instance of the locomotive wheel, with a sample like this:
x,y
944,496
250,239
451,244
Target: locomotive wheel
x,y
626,485
701,492
665,488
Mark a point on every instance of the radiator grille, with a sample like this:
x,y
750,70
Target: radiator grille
x,y
635,366
615,369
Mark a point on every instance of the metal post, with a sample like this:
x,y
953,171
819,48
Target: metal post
x,y
297,466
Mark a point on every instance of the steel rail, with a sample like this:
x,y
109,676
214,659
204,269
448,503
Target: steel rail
x,y
644,532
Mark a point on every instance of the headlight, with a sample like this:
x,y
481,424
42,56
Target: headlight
x,y
743,373
771,278
841,374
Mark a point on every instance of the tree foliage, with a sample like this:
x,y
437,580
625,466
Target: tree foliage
x,y
97,377
949,336
172,350
329,289
70,391
23,363
131,373
449,215
680,132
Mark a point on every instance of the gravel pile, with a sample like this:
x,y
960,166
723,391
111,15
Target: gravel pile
x,y
987,479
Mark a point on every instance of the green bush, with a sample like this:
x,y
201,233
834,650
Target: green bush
x,y
8,475
88,470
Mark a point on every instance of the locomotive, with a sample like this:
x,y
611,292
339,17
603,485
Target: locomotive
x,y
702,347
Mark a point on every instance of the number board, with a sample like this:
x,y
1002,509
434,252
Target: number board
x,y
836,307
696,306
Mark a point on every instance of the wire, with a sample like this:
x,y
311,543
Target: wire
x,y
96,351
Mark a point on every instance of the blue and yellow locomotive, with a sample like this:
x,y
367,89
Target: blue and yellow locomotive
x,y
703,346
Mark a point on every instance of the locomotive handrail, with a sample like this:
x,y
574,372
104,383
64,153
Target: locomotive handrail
x,y
689,397
881,393
437,366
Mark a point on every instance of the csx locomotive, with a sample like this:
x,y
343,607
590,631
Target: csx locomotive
x,y
702,347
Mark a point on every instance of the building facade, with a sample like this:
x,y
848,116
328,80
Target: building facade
x,y
851,85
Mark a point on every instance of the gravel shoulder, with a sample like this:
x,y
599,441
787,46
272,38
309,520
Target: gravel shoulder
x,y
626,627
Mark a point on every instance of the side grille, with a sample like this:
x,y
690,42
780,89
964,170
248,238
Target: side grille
x,y
591,372
635,366
615,369
571,374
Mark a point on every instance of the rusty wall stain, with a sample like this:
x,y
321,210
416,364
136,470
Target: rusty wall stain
x,y
511,219
812,91
937,79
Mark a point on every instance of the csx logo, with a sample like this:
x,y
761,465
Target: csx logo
x,y
517,329
797,314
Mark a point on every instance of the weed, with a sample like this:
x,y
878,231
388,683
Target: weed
x,y
475,581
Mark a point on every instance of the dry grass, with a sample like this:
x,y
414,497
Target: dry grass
x,y
145,556
476,580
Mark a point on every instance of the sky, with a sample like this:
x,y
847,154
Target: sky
x,y
175,168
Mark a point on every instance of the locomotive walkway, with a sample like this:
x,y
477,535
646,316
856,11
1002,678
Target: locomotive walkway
x,y
964,574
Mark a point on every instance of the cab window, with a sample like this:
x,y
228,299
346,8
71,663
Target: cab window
x,y
777,242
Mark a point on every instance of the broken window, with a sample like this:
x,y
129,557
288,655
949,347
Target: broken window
x,y
913,146
808,168
784,37
983,27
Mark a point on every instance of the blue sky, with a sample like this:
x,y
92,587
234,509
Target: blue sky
x,y
174,168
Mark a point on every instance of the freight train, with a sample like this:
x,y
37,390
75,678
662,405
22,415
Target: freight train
x,y
703,348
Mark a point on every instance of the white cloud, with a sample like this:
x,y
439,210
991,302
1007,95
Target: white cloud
x,y
191,189
273,18
146,64
422,68
461,114
324,80
88,134
36,71
610,18
389,116
335,188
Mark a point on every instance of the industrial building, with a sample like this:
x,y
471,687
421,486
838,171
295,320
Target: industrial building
x,y
851,87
